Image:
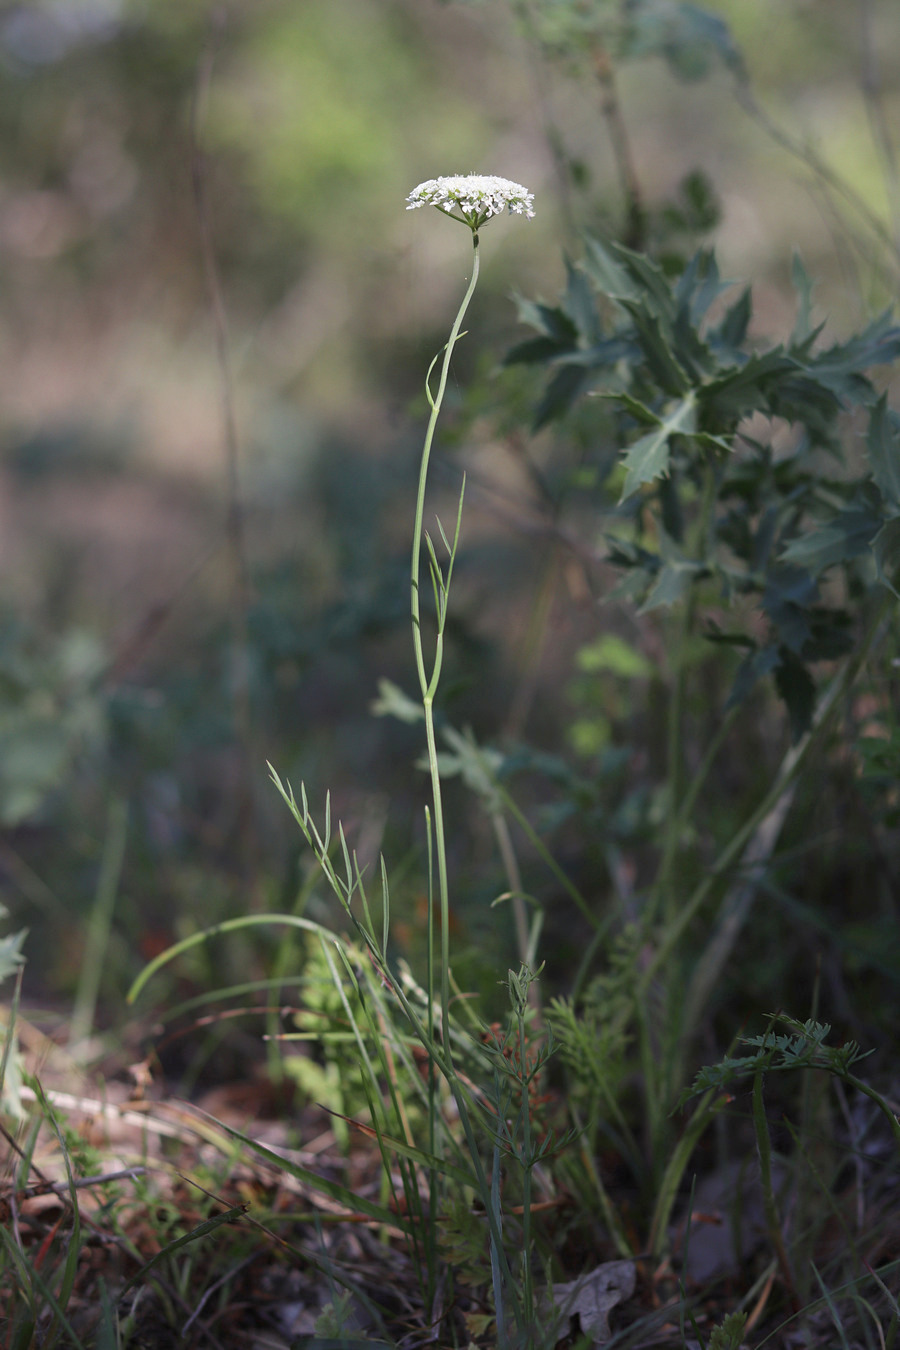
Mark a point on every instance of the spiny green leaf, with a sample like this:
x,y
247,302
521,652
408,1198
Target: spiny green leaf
x,y
610,277
562,391
656,346
789,593
732,331
848,536
536,351
638,410
653,286
843,368
551,321
578,303
648,458
699,286
887,555
883,445
754,667
671,585
746,386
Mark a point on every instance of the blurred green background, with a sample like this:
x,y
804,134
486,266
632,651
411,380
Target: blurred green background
x,y
143,685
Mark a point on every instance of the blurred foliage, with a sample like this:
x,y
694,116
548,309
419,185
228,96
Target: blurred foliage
x,y
125,649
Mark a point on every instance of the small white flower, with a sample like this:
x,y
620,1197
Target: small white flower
x,y
476,196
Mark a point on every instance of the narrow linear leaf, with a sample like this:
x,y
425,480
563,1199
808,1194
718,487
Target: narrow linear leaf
x,y
425,1160
202,1230
353,1203
227,926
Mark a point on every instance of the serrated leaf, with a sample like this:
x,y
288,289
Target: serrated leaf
x,y
651,282
789,593
535,351
712,442
848,536
843,368
648,458
883,445
603,354
605,271
560,394
754,667
631,586
730,1335
886,549
579,304
549,320
671,585
657,349
732,331
699,284
746,386
638,410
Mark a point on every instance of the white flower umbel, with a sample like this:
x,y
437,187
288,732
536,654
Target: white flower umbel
x,y
475,196
471,199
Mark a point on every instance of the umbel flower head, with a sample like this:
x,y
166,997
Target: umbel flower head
x,y
474,196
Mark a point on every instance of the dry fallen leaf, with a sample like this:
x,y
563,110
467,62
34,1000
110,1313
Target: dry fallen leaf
x,y
591,1297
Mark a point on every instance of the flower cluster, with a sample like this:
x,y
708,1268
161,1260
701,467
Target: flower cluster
x,y
476,196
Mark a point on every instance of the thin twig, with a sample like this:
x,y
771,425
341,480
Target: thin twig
x,y
634,234
79,1183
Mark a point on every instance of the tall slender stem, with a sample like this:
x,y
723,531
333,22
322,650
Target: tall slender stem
x,y
428,684
664,896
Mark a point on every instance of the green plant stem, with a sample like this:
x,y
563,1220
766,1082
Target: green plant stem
x,y
526,935
100,923
664,895
673,1174
770,1204
428,685
527,1283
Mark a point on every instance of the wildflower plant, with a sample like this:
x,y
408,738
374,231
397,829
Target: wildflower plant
x,y
471,199
385,1006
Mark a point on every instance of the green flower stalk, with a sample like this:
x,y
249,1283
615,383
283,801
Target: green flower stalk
x,y
471,199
